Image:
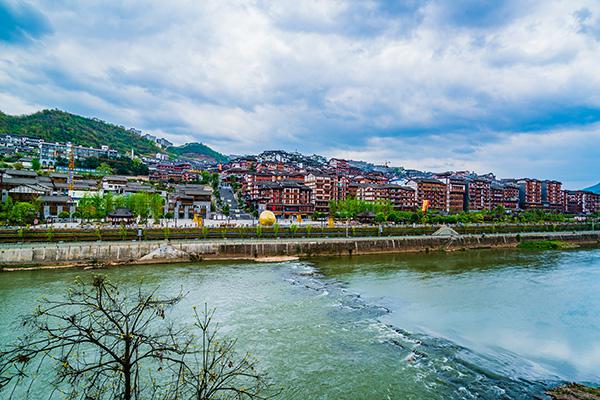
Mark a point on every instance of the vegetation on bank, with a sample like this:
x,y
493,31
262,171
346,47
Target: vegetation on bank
x,y
19,213
99,232
143,205
545,245
574,391
383,212
90,207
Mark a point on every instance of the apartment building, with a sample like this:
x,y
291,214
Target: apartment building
x,y
284,198
530,193
51,152
552,195
580,202
456,192
432,190
504,195
322,193
479,194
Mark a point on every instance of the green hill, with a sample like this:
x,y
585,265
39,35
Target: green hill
x,y
595,188
197,151
60,126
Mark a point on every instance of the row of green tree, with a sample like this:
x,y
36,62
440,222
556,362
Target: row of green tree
x,y
143,205
383,211
90,207
19,213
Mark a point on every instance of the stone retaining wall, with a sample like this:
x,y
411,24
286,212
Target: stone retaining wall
x,y
129,252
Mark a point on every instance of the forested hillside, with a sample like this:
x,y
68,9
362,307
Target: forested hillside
x,y
60,126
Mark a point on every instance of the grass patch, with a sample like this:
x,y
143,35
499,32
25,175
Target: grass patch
x,y
545,245
574,391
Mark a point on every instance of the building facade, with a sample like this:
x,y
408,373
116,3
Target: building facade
x,y
432,190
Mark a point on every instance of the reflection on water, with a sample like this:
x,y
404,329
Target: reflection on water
x,y
485,324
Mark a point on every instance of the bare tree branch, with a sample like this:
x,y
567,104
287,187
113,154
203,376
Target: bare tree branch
x,y
97,343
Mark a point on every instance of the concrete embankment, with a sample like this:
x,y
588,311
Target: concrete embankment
x,y
103,253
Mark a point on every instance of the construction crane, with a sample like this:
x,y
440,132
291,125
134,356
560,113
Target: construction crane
x,y
71,168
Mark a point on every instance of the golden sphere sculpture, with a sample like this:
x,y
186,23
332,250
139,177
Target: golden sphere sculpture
x,y
267,218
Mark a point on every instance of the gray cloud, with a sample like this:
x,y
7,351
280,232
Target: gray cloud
x,y
317,76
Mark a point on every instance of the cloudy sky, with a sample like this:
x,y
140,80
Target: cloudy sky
x,y
511,87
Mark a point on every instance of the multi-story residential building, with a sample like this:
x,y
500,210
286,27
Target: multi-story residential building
x,y
478,194
284,198
340,187
432,190
352,189
50,152
21,144
552,195
456,191
321,186
369,192
172,172
340,166
504,195
371,178
401,197
530,193
581,202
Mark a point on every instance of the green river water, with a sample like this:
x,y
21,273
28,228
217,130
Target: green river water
x,y
477,324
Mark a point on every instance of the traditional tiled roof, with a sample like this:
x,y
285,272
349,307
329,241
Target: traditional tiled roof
x,y
54,199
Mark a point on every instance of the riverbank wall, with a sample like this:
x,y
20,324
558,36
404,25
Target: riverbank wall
x,y
147,252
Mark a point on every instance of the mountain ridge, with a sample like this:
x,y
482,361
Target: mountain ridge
x,y
196,150
595,188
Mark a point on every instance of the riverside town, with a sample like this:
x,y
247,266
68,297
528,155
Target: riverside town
x,y
300,200
51,184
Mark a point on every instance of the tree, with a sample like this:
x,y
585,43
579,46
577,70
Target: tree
x,y
7,208
104,169
104,344
157,206
35,164
225,209
220,377
22,213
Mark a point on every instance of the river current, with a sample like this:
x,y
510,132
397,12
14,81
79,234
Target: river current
x,y
477,324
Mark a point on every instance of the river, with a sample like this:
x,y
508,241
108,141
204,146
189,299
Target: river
x,y
475,324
